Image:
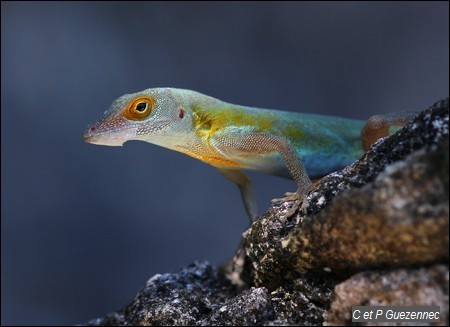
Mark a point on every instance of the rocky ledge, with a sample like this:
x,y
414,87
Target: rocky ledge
x,y
374,233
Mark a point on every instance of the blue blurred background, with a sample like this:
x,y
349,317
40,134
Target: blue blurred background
x,y
83,227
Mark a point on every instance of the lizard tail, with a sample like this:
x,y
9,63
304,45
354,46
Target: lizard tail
x,y
383,125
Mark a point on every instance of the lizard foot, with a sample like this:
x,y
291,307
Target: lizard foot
x,y
299,198
295,197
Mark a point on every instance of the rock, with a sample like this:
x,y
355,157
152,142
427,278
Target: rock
x,y
304,301
176,299
252,307
400,287
200,295
375,232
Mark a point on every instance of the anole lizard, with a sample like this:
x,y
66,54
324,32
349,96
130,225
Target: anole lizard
x,y
232,137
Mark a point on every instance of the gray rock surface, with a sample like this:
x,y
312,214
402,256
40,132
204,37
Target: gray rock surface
x,y
400,287
375,232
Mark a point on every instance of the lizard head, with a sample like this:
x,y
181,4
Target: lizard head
x,y
158,116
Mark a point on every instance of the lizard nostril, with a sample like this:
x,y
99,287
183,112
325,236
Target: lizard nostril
x,y
92,129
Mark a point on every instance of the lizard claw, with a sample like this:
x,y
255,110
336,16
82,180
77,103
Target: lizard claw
x,y
289,197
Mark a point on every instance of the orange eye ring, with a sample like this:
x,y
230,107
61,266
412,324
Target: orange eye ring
x,y
139,108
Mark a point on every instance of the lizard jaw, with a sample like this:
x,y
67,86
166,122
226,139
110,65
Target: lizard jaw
x,y
102,140
109,138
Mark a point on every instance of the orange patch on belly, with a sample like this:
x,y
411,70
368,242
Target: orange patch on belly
x,y
214,161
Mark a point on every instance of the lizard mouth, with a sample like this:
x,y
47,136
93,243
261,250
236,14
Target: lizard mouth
x,y
101,140
110,138
95,134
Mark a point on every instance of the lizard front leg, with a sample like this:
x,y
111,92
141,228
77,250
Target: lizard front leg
x,y
237,144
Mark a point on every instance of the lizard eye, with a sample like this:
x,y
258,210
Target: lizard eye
x,y
139,108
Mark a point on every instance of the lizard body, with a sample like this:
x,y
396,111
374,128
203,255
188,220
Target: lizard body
x,y
232,137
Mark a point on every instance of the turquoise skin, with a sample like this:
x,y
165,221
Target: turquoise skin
x,y
324,143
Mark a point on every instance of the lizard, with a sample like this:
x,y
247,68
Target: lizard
x,y
232,138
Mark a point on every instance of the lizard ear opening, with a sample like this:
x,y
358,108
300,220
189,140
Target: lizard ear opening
x,y
181,113
139,108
